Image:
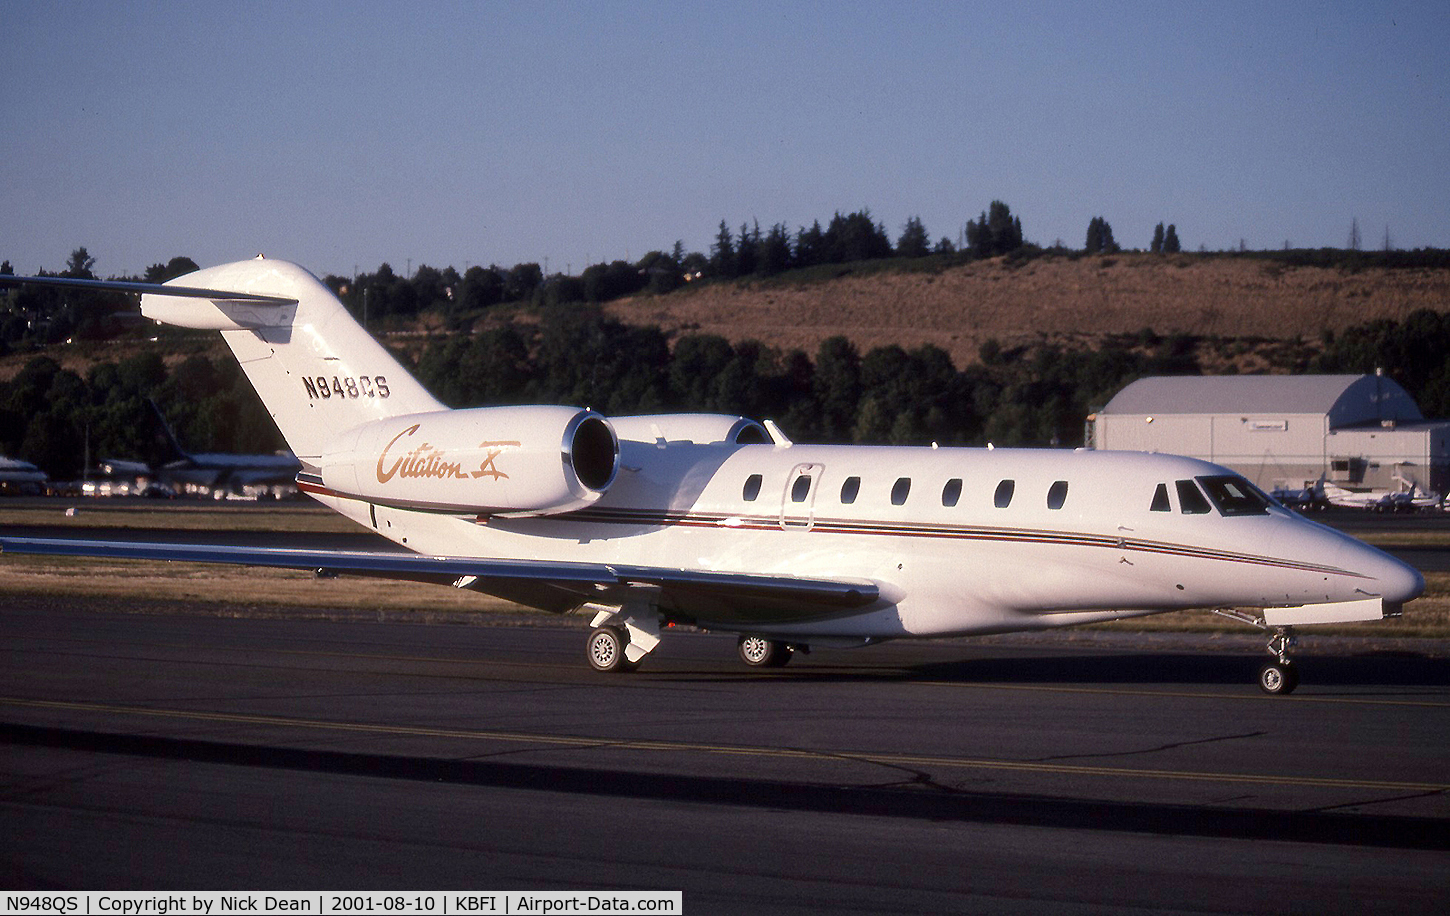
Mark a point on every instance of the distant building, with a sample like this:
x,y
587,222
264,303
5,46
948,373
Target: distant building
x,y
1359,431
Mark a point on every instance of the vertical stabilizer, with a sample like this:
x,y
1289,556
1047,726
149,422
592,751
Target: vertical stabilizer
x,y
317,371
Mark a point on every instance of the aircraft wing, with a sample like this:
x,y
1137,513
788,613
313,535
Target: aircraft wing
x,y
693,595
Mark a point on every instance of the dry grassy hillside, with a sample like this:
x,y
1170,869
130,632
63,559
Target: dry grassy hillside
x,y
1052,298
1055,299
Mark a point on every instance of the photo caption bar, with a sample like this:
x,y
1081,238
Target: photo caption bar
x,y
412,903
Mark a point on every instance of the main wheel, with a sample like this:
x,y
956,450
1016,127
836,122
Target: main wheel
x,y
606,650
1278,678
759,652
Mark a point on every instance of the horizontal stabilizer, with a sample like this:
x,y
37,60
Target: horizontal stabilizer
x,y
155,289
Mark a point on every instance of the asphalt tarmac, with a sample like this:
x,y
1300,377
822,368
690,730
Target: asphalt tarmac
x,y
155,746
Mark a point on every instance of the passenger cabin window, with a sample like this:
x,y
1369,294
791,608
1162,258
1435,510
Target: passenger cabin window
x,y
1235,496
752,488
800,489
900,491
1190,499
1003,497
1057,494
1160,500
952,492
850,489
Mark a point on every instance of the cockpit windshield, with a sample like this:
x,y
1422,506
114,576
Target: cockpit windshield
x,y
1233,495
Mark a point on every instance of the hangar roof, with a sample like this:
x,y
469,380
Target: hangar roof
x,y
1345,399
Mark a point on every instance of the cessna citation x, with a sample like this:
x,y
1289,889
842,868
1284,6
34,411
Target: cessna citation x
x,y
725,524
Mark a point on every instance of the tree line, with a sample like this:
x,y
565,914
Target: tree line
x,y
1034,395
32,317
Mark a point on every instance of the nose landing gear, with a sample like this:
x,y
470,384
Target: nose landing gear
x,y
1280,675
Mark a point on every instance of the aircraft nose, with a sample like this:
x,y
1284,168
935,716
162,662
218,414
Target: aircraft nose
x,y
1396,581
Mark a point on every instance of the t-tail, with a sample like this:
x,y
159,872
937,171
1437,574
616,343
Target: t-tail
x,y
315,368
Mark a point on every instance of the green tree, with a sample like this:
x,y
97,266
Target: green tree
x,y
810,246
523,281
775,254
1006,229
482,287
722,254
79,265
176,267
913,241
747,250
855,237
1100,237
837,384
1157,246
1170,240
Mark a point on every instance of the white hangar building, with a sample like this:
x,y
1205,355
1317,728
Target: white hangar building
x,y
1359,431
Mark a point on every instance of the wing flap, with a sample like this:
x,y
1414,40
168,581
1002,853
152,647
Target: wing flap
x,y
722,597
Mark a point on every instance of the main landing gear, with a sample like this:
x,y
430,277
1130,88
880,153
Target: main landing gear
x,y
622,636
759,652
606,649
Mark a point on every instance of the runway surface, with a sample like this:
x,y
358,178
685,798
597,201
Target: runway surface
x,y
180,750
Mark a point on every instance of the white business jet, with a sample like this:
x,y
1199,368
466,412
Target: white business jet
x,y
725,524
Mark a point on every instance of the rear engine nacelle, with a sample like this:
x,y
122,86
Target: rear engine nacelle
x,y
697,428
490,460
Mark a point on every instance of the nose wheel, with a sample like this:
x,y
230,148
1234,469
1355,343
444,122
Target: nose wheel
x,y
1279,676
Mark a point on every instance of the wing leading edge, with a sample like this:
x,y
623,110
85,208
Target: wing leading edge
x,y
157,289
693,595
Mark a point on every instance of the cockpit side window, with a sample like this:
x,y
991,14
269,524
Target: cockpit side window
x,y
1235,496
1190,498
1160,500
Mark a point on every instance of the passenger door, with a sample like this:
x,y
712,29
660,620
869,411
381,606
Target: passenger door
x,y
798,500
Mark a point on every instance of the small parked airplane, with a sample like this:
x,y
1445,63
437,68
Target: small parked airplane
x,y
219,473
1409,498
21,477
725,524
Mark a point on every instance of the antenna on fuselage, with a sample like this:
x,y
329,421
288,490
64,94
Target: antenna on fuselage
x,y
776,436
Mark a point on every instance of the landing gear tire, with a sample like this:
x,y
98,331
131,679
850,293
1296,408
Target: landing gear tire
x,y
606,650
1278,678
759,652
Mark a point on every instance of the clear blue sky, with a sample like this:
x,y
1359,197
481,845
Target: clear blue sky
x,y
343,135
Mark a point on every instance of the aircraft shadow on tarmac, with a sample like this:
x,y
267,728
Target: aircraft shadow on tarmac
x,y
1370,669
922,798
1383,670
